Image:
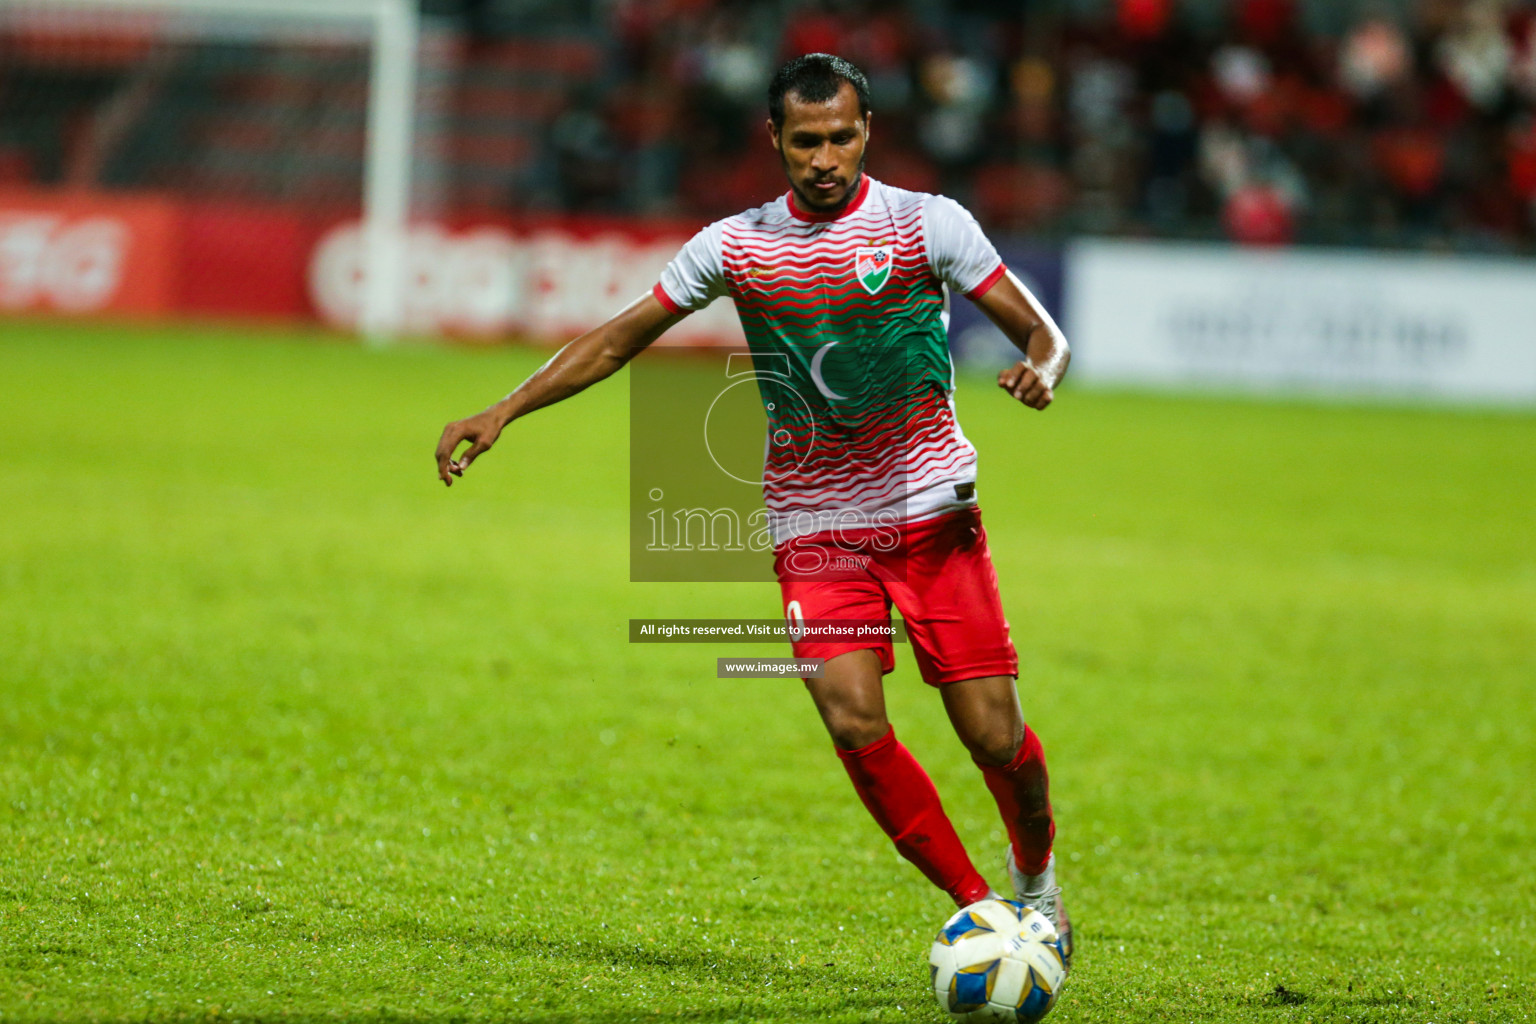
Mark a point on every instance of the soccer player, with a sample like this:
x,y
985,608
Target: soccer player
x,y
844,260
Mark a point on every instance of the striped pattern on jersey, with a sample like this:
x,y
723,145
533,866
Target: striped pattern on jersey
x,y
853,368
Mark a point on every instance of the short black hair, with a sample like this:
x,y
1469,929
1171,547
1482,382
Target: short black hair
x,y
815,78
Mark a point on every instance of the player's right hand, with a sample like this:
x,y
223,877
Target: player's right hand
x,y
480,430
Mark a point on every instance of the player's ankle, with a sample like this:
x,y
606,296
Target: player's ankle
x,y
1040,879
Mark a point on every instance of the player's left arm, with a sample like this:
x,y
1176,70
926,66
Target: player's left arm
x,y
1019,315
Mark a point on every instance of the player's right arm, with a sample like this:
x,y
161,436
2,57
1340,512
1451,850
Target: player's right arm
x,y
595,355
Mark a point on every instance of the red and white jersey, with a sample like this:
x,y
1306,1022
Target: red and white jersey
x,y
847,317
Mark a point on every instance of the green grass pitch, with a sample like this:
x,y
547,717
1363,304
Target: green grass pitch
x,y
290,732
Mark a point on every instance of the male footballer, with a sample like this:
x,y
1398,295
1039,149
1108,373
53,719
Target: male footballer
x,y
846,281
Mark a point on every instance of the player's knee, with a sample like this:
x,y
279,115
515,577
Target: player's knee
x,y
851,730
994,745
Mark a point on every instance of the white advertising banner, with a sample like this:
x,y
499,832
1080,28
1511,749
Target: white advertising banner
x,y
1456,328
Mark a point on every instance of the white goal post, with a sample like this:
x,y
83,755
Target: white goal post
x,y
393,31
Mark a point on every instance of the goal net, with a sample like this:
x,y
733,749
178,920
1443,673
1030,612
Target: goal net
x,y
300,102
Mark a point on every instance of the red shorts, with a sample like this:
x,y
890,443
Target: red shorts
x,y
939,575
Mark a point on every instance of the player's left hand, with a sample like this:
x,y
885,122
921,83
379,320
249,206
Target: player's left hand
x,y
1024,382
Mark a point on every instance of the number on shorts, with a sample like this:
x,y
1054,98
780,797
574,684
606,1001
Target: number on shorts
x,y
796,619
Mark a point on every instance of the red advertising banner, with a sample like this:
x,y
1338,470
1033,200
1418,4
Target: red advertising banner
x,y
547,279
71,252
246,261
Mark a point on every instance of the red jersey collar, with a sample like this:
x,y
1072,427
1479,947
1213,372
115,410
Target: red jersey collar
x,y
854,204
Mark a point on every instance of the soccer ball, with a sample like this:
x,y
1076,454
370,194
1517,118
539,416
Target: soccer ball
x,y
997,961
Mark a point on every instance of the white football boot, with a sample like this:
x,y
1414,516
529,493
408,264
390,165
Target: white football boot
x,y
1040,892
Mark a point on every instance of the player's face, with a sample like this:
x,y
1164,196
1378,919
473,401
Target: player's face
x,y
822,146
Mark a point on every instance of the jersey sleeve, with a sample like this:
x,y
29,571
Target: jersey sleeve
x,y
696,275
958,253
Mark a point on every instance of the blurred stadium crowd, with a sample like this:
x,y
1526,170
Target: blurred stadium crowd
x,y
1407,124
1406,127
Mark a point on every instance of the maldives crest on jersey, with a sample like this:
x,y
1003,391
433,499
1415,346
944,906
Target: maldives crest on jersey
x,y
872,266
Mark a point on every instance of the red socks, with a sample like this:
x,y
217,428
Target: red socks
x,y
903,801
1022,790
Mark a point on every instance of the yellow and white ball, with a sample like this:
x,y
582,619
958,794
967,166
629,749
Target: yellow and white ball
x,y
997,961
